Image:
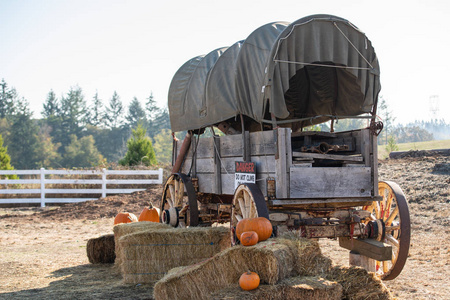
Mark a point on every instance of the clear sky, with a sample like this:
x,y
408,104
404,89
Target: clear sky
x,y
135,47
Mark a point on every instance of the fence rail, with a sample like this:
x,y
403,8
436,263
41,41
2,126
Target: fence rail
x,y
19,185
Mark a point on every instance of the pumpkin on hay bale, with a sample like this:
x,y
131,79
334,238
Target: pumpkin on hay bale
x,y
150,214
125,217
273,260
147,254
260,225
101,250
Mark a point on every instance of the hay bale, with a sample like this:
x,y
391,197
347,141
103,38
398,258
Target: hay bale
x,y
101,250
148,254
307,288
358,284
273,260
121,230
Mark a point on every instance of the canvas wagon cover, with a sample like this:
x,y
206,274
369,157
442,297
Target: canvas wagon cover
x,y
309,71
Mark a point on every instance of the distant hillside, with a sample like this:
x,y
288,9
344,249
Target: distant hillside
x,y
442,144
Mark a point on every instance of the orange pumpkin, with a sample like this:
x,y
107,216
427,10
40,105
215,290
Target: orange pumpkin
x,y
151,215
125,217
249,238
260,225
249,281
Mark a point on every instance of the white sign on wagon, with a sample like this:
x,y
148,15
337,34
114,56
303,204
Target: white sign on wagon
x,y
245,172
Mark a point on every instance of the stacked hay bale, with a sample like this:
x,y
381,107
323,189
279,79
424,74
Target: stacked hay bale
x,y
146,252
289,268
122,230
273,260
101,250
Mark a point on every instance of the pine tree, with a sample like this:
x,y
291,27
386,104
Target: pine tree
x,y
5,160
73,108
95,113
23,141
163,146
140,149
135,114
388,120
114,112
7,99
51,106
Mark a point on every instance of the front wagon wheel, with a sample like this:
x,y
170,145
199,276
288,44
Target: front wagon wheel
x,y
394,212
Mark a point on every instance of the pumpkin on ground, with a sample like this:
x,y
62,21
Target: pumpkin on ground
x,y
149,214
249,281
125,217
260,225
249,238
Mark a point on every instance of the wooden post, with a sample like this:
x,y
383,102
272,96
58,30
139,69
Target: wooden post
x,y
103,183
218,166
42,187
356,259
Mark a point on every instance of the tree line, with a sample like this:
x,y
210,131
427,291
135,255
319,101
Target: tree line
x,y
78,132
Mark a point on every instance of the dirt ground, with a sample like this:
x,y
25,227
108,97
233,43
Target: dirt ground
x,y
43,251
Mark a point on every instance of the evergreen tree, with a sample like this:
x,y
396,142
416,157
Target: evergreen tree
x,y
53,124
159,122
135,114
23,141
151,108
114,112
140,150
7,99
163,146
51,106
73,108
388,120
5,160
95,113
112,143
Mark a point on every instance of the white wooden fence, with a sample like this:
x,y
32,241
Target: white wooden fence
x,y
18,187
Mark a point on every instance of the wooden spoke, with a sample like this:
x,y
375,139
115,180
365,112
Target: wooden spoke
x,y
391,218
242,208
391,240
171,200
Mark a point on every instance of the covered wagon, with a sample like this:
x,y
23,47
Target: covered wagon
x,y
250,151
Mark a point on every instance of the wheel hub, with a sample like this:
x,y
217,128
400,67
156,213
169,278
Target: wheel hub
x,y
171,216
376,230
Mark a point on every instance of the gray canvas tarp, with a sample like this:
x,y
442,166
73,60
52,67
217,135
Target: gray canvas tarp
x,y
320,65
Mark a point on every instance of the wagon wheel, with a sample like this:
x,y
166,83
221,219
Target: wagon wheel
x,y
248,202
393,211
179,202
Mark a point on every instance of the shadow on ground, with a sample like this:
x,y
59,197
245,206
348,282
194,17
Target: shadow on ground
x,y
101,281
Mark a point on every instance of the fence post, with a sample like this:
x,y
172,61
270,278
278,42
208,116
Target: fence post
x,y
103,183
42,187
160,176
